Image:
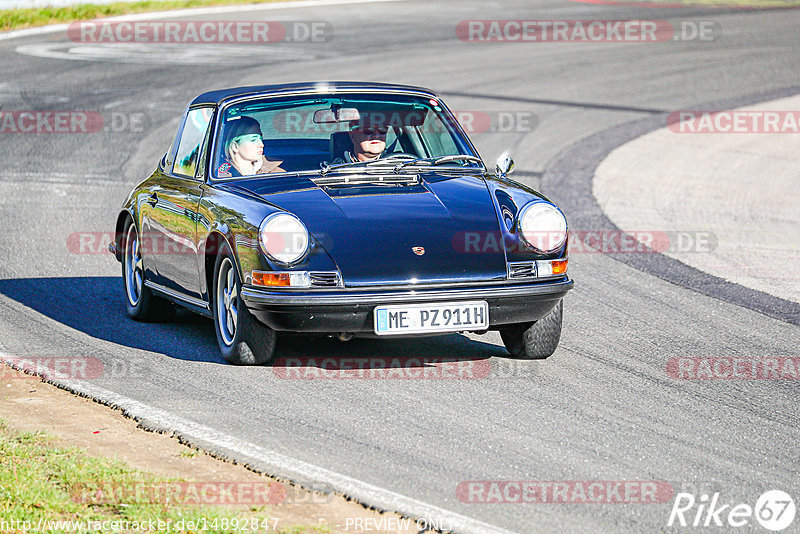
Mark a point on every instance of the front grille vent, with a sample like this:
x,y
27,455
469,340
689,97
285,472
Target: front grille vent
x,y
523,269
324,278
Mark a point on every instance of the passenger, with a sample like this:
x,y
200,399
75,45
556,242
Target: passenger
x,y
244,150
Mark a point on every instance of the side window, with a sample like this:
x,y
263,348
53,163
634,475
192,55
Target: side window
x,y
194,131
170,155
437,137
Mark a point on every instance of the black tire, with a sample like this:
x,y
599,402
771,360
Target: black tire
x,y
535,341
242,340
140,302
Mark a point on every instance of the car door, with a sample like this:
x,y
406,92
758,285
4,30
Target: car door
x,y
174,213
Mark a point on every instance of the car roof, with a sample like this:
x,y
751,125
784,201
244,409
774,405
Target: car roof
x,y
219,95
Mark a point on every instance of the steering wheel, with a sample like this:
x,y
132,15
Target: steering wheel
x,y
393,155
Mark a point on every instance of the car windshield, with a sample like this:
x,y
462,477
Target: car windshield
x,y
339,132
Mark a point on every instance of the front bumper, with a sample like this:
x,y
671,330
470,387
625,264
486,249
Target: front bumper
x,y
351,309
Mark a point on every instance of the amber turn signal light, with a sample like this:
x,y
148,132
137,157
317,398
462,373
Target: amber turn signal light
x,y
261,278
559,266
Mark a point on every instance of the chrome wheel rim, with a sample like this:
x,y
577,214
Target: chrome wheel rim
x,y
227,302
134,266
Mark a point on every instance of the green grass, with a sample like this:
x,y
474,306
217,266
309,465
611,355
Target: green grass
x,y
14,19
39,481
722,3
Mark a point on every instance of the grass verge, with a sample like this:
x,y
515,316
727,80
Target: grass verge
x,y
713,3
53,489
16,19
739,3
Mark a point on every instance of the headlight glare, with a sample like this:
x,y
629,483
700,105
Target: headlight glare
x,y
542,226
284,238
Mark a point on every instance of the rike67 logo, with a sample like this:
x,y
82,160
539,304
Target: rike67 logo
x,y
774,510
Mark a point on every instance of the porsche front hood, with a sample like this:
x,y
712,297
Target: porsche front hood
x,y
442,230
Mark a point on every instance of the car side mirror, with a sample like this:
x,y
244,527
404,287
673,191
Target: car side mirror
x,y
505,165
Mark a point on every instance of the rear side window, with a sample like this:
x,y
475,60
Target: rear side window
x,y
194,131
437,138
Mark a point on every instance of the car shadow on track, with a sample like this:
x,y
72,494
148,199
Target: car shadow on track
x,y
95,306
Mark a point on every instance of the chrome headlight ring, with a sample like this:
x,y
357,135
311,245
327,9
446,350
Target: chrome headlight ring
x,y
542,226
284,238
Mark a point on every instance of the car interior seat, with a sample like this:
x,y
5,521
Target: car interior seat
x,y
339,143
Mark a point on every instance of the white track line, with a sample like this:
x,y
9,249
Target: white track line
x,y
272,462
54,28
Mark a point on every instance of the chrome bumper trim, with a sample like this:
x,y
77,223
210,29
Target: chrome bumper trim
x,y
257,296
176,295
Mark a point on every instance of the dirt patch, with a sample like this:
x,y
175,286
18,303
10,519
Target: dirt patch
x,y
29,404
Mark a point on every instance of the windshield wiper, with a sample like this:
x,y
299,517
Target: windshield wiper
x,y
327,167
388,160
440,159
382,162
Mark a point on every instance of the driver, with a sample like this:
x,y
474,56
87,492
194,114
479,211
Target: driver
x,y
369,142
244,150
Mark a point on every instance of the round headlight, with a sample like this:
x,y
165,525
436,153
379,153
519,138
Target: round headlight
x,y
283,238
542,226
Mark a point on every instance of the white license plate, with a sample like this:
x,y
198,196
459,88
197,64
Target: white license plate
x,y
439,317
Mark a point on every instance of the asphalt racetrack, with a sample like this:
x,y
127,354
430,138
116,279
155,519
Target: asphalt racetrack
x,y
605,408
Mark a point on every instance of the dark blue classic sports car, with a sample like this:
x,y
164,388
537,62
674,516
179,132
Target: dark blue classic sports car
x,y
354,209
